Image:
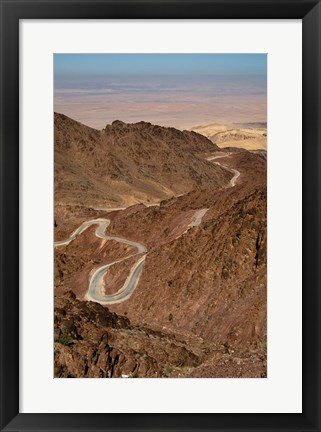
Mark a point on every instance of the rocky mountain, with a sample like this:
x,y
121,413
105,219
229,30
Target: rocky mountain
x,y
92,342
199,309
210,281
126,164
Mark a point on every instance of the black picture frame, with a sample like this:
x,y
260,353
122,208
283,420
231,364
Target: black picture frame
x,y
11,12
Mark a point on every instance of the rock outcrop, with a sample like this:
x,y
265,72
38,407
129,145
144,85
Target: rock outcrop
x,y
129,163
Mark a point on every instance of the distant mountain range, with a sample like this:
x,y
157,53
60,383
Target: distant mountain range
x,y
249,136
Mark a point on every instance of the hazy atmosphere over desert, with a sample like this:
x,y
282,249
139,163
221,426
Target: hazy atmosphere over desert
x,y
160,219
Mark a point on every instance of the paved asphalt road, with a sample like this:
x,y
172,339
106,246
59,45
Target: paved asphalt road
x,y
95,289
96,284
232,170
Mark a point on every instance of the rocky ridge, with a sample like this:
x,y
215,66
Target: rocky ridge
x,y
129,163
199,309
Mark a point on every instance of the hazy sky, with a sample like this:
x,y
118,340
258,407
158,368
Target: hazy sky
x,y
180,90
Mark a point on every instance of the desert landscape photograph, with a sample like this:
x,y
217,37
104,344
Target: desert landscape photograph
x,y
160,216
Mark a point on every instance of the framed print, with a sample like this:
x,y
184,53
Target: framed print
x,y
160,215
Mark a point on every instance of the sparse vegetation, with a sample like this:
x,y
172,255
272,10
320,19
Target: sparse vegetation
x,y
263,346
226,345
65,340
168,370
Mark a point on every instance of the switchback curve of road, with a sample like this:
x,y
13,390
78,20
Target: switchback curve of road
x,y
103,224
95,290
96,284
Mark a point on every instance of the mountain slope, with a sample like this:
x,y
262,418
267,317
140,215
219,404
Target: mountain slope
x,y
205,285
92,342
129,163
199,308
212,279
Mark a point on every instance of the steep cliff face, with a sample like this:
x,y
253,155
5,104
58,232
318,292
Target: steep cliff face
x,y
129,163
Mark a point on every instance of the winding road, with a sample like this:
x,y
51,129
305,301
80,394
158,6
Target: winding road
x,y
232,170
109,209
199,216
236,173
102,225
96,285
